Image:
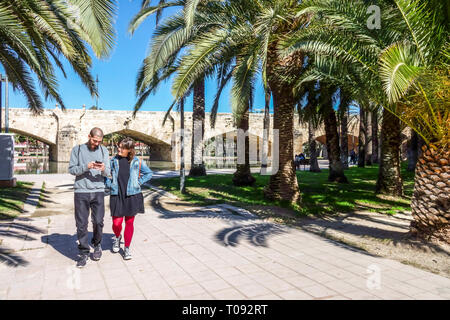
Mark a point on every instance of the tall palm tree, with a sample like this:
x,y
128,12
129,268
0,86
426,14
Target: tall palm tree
x,y
254,29
34,33
167,43
409,60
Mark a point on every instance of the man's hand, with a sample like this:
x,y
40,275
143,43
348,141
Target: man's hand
x,y
100,166
92,165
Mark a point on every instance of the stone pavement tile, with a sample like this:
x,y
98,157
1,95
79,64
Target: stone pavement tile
x,y
397,274
295,294
124,291
119,281
339,273
160,294
321,277
262,276
277,285
279,270
340,286
319,291
361,295
240,279
337,298
224,272
201,296
267,297
94,295
357,270
228,294
189,290
423,284
305,269
204,275
28,285
253,289
214,285
178,279
300,281
358,282
401,286
442,292
388,294
341,263
427,296
139,296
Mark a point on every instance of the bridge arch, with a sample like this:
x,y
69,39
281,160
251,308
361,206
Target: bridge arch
x,y
159,150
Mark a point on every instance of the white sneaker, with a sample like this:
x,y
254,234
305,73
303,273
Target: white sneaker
x,y
127,254
116,244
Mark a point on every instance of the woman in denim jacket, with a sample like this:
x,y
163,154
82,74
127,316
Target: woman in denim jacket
x,y
128,173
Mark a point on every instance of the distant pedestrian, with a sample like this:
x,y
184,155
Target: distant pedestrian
x,y
89,162
128,174
352,157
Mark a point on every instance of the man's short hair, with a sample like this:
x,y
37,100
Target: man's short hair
x,y
96,132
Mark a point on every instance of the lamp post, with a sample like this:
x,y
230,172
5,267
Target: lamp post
x,y
5,78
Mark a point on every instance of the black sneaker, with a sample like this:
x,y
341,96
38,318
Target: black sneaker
x,y
82,260
97,253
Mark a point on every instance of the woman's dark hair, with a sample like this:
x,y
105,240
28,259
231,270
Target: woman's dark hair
x,y
128,144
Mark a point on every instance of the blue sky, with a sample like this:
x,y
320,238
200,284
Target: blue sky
x,y
117,74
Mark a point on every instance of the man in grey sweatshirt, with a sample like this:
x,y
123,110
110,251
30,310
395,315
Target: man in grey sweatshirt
x,y
89,162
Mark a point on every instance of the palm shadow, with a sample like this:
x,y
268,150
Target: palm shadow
x,y
66,244
19,231
256,234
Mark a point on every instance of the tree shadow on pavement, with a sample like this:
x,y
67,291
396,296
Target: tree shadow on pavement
x,y
67,245
16,230
256,234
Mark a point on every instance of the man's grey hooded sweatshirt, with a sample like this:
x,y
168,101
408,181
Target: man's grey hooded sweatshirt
x,y
88,180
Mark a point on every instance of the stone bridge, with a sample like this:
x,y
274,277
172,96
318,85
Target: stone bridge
x,y
62,130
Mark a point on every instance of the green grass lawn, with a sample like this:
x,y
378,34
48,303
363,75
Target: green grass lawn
x,y
318,195
12,199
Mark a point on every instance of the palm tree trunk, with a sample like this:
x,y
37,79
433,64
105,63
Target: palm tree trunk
x,y
198,128
283,185
344,138
375,137
413,151
333,150
368,138
389,176
430,203
265,143
362,138
313,163
242,176
182,171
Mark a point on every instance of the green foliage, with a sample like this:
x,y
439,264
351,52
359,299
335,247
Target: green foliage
x,y
36,33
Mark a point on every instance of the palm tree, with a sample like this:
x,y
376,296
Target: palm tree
x,y
409,60
168,41
35,32
254,29
311,114
343,115
336,172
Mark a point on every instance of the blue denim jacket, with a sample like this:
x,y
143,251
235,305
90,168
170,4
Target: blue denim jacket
x,y
134,182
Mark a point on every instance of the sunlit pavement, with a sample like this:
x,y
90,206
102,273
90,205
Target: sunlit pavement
x,y
215,252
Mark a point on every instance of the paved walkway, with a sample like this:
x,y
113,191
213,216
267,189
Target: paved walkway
x,y
217,252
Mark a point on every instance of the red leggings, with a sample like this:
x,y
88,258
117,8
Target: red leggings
x,y
129,228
